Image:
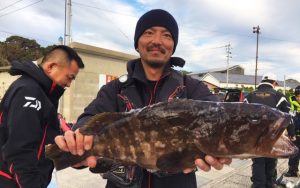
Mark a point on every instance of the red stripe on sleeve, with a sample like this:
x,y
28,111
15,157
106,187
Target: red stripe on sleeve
x,y
6,175
1,113
42,143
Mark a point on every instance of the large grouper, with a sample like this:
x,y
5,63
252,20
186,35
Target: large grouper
x,y
169,136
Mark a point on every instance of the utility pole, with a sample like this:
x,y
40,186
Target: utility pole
x,y
68,15
67,40
256,30
284,86
228,52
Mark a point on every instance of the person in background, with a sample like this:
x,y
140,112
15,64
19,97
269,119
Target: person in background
x,y
150,79
264,171
28,117
295,112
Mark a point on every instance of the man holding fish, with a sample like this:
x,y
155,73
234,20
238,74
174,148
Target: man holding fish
x,y
150,79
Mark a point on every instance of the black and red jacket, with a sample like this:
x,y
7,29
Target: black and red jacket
x,y
135,91
28,122
118,95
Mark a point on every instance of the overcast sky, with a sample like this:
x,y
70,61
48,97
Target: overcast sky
x,y
205,27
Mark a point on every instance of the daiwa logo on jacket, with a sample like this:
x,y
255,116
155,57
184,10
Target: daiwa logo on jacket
x,y
33,103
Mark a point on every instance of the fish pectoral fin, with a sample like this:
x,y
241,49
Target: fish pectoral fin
x,y
171,162
177,161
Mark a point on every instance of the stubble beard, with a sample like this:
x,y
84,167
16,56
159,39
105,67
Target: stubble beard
x,y
155,64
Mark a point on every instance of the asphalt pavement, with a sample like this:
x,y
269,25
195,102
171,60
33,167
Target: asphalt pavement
x,y
236,175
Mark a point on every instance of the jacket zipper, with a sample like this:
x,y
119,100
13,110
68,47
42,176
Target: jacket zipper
x,y
153,93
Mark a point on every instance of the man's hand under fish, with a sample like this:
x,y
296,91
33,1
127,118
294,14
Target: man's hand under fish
x,y
77,144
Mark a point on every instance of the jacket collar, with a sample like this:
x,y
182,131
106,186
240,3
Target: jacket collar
x,y
36,72
135,70
266,84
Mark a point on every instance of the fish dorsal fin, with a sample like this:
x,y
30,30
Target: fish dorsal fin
x,y
99,121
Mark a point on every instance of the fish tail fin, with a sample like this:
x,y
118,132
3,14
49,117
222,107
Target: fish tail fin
x,y
62,159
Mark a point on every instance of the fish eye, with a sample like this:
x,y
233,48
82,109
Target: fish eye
x,y
254,121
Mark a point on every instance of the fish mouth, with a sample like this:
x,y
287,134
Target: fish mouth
x,y
279,126
279,145
283,148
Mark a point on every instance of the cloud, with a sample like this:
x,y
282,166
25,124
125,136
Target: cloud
x,y
206,26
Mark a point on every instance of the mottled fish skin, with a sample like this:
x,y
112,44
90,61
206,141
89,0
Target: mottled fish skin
x,y
169,136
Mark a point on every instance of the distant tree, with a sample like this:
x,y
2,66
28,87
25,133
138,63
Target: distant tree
x,y
185,72
248,89
292,81
44,50
19,48
3,59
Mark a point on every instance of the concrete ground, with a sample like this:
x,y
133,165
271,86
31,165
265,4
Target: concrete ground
x,y
237,175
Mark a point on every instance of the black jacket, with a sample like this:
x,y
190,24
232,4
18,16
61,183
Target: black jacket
x,y
108,97
28,122
136,92
267,95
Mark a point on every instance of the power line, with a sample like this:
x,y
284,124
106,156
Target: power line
x,y
119,13
102,9
244,35
20,8
202,49
215,31
120,30
10,5
269,38
7,32
212,48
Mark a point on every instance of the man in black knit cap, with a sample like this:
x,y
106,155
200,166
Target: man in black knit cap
x,y
150,79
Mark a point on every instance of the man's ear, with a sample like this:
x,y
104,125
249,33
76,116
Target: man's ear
x,y
49,66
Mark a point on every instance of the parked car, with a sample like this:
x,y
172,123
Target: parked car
x,y
231,95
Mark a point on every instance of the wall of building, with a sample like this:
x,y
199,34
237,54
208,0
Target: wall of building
x,y
5,81
83,90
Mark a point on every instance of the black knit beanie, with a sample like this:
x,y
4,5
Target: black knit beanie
x,y
156,17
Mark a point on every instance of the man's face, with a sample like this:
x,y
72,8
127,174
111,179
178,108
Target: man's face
x,y
155,46
298,98
64,74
